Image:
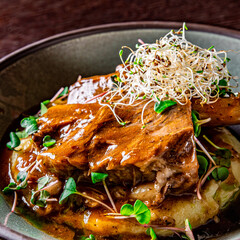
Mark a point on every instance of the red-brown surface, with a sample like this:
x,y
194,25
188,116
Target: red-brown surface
x,y
25,21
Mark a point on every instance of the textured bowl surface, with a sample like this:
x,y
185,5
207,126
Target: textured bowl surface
x,y
36,72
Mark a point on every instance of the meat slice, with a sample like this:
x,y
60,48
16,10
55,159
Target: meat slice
x,y
224,112
92,139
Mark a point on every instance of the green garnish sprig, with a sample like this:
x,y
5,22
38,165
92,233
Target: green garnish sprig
x,y
100,177
223,160
48,141
70,188
197,122
22,178
43,106
139,211
187,231
40,196
151,233
161,106
90,237
14,141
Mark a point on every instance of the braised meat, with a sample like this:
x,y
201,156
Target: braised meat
x,y
89,138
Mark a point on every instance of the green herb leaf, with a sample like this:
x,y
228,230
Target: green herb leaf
x,y
140,210
22,176
223,157
22,134
44,195
185,26
64,91
43,108
14,141
203,164
90,237
30,125
10,188
69,189
48,141
159,107
144,218
220,173
127,210
151,233
196,126
98,177
42,182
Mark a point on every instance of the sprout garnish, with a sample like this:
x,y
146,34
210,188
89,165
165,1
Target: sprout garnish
x,y
139,211
71,188
100,177
170,69
48,141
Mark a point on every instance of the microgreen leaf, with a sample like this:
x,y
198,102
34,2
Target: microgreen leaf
x,y
222,155
127,210
21,134
10,188
64,91
151,233
196,126
43,108
22,176
30,125
42,182
140,210
48,141
185,26
139,207
44,195
144,218
159,107
69,189
203,164
98,177
220,173
201,71
14,141
120,52
90,237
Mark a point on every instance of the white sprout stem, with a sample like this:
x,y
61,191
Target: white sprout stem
x,y
109,195
142,115
12,210
204,150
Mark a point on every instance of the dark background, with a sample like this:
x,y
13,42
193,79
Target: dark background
x,y
25,21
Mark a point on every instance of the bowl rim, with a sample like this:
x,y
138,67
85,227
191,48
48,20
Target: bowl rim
x,y
5,61
111,27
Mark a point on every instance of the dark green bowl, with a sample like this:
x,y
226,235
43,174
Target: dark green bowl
x,y
35,72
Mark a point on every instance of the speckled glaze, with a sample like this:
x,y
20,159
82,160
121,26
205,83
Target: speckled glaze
x,y
36,72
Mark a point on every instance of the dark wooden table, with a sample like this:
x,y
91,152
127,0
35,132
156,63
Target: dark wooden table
x,y
25,21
